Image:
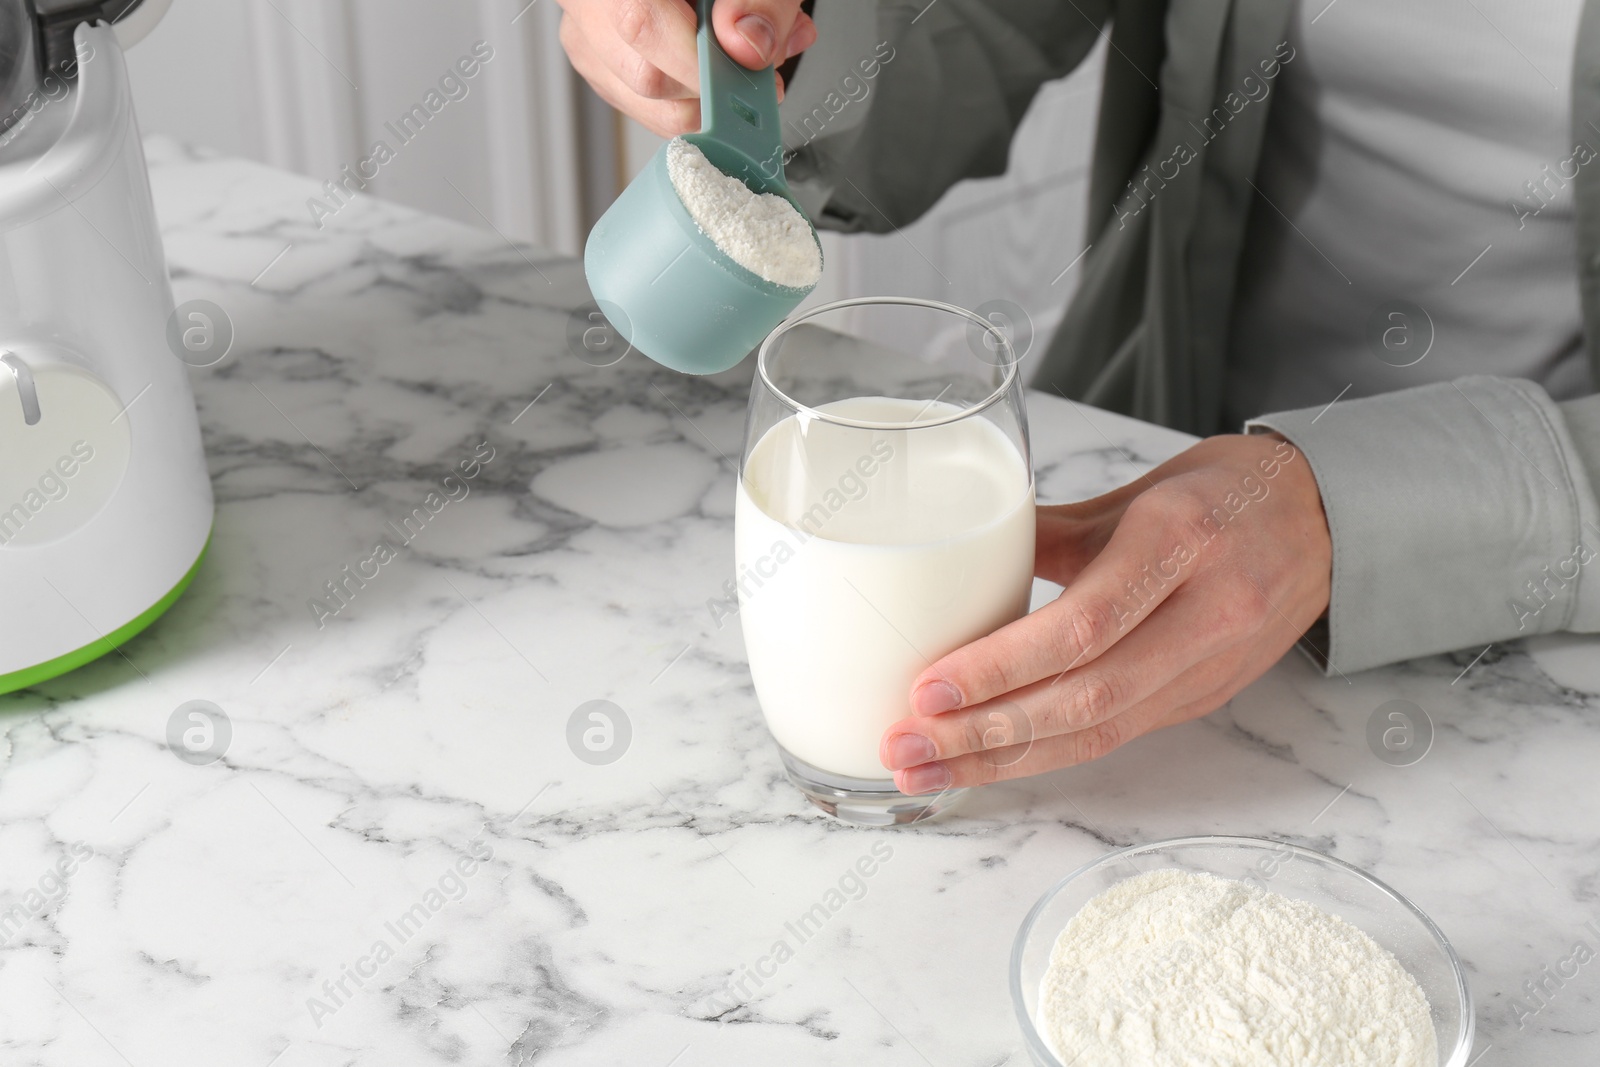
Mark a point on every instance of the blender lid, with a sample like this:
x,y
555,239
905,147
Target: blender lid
x,y
36,39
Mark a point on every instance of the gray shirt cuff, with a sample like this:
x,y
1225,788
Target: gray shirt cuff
x,y
1462,514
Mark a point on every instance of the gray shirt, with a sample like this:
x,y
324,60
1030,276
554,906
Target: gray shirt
x,y
1414,221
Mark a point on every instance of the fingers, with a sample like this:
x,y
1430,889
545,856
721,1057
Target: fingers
x,y
652,39
1001,743
641,57
1171,704
1020,761
666,117
1188,631
760,33
1138,569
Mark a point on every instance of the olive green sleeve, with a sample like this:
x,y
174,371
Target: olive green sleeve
x,y
894,106
1462,514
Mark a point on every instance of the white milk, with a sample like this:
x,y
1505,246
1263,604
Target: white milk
x,y
863,556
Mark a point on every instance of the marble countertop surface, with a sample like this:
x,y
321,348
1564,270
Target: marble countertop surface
x,y
397,858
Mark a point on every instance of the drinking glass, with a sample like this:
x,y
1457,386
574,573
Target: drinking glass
x,y
885,517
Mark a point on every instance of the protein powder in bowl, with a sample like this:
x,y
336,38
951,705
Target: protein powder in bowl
x,y
1240,951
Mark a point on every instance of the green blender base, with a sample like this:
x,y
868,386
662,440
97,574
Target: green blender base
x,y
43,672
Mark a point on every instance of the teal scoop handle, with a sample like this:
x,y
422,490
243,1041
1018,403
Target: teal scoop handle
x,y
738,114
664,285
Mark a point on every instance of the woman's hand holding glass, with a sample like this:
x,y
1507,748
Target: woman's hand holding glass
x,y
1181,588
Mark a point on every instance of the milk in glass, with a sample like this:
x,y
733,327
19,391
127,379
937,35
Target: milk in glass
x,y
864,555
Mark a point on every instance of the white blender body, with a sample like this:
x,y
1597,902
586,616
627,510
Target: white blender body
x,y
105,502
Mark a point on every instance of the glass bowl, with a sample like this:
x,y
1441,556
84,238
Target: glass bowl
x,y
1298,873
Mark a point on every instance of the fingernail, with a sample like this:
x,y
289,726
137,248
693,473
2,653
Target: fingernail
x,y
928,778
760,35
908,750
933,698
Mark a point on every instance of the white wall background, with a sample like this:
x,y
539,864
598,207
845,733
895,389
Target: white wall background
x,y
309,84
192,77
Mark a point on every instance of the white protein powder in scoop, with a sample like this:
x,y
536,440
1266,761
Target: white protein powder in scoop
x,y
1175,968
762,232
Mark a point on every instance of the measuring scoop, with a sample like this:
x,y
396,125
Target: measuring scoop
x,y
664,285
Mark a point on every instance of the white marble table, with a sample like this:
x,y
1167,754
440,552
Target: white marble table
x,y
622,908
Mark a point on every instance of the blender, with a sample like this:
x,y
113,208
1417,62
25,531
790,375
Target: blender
x,y
105,502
